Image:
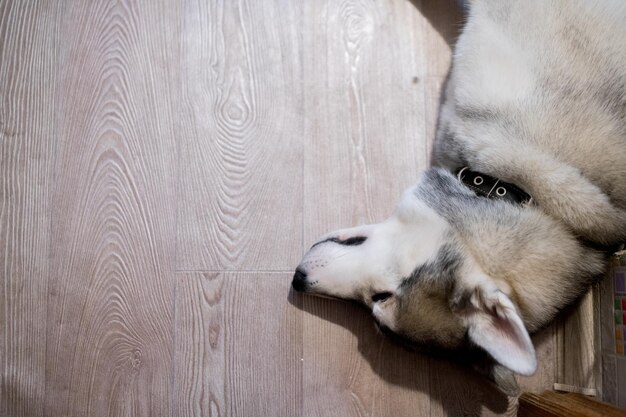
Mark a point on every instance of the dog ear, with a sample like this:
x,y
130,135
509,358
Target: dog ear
x,y
495,325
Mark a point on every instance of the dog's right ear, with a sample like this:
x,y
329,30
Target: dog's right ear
x,y
495,325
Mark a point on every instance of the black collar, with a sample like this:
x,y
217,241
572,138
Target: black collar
x,y
487,186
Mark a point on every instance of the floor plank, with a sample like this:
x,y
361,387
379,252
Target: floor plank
x,y
27,81
577,347
442,21
456,390
351,370
433,90
546,351
164,165
110,305
238,346
241,136
364,143
364,131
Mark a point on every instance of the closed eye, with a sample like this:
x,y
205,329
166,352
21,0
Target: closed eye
x,y
381,296
351,241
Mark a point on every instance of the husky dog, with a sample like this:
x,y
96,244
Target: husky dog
x,y
528,197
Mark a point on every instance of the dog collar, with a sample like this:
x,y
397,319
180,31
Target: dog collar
x,y
487,186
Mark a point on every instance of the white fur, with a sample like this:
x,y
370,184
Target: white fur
x,y
507,77
392,250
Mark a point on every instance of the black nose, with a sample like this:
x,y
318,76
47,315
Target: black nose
x,y
299,280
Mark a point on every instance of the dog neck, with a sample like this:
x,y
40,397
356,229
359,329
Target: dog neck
x,y
491,187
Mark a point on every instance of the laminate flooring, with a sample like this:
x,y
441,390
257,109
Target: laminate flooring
x,y
163,166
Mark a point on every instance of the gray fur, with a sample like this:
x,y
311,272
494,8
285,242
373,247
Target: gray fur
x,y
503,237
444,269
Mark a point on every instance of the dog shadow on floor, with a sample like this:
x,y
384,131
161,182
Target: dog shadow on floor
x,y
453,387
445,16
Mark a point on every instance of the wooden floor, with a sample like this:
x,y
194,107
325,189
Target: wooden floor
x,y
163,166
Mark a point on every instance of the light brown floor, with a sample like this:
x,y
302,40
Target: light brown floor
x,y
163,166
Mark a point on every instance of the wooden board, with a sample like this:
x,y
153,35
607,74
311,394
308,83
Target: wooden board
x,y
433,90
238,346
552,404
110,293
363,144
164,165
364,130
27,82
351,370
578,350
240,136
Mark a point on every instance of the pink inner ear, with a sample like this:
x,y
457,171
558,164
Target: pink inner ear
x,y
508,344
497,328
502,325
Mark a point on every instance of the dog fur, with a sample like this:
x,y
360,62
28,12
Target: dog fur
x,y
536,97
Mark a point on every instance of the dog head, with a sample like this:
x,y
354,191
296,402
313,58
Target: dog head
x,y
368,263
445,271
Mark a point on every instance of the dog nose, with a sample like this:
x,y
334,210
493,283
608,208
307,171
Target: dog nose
x,y
299,280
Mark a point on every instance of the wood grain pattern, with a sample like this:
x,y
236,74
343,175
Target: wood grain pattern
x,y
578,346
552,404
110,303
433,90
351,370
546,351
27,82
238,346
608,381
163,166
241,136
364,143
364,129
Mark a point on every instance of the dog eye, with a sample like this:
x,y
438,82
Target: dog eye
x,y
381,296
353,241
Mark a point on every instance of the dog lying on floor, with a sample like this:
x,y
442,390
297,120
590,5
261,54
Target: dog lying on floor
x,y
527,201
